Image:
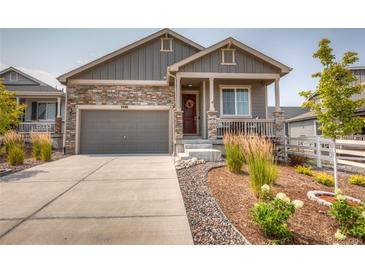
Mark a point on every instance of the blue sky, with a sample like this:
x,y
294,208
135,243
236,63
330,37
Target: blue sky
x,y
47,53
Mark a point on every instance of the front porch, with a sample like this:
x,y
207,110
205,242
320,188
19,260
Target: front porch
x,y
225,103
44,113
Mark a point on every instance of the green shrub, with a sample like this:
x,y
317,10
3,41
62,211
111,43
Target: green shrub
x,y
351,218
16,155
273,217
304,170
234,157
357,180
324,179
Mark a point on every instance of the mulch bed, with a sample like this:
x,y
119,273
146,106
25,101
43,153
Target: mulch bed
x,y
28,162
311,224
208,224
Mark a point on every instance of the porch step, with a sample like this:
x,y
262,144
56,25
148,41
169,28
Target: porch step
x,y
183,156
197,146
206,154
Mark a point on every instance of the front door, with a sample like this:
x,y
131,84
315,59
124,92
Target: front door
x,y
189,115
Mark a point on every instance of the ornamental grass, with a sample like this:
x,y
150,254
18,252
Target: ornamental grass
x,y
258,153
234,155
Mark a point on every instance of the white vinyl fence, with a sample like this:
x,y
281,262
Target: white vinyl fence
x,y
322,150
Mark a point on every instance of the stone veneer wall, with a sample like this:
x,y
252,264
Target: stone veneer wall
x,y
212,124
178,124
111,95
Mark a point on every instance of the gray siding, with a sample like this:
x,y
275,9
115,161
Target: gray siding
x,y
258,100
360,75
301,128
21,79
145,62
245,63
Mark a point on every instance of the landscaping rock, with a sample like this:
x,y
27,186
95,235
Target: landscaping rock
x,y
208,224
180,164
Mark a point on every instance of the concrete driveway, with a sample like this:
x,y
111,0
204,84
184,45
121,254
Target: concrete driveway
x,y
94,199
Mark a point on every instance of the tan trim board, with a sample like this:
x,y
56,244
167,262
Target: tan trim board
x,y
259,76
63,77
118,82
284,69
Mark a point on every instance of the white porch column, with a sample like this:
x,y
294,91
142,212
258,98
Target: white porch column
x,y
17,101
211,94
59,107
178,94
277,95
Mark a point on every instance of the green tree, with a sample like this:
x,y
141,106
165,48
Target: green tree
x,y
10,112
333,101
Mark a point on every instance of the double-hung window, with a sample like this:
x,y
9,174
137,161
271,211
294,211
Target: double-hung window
x,y
235,101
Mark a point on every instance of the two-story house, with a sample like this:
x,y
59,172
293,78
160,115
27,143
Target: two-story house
x,y
306,124
164,91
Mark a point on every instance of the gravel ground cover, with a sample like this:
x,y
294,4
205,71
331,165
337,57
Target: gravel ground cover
x,y
6,169
311,224
208,224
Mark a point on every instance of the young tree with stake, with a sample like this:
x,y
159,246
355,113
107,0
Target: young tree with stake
x,y
333,101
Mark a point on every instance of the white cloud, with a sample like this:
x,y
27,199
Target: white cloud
x,y
45,76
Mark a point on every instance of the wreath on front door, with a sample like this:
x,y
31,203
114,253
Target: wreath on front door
x,y
189,103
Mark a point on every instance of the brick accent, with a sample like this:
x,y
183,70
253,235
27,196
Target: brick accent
x,y
111,95
58,125
212,125
178,116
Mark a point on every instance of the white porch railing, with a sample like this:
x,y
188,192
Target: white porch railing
x,y
26,127
263,127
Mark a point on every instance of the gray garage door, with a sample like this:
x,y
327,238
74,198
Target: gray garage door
x,y
115,131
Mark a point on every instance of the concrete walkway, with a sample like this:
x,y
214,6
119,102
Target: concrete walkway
x,y
94,199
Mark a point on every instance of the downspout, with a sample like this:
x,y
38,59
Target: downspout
x,y
65,125
173,114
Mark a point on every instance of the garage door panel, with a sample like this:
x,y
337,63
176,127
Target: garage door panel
x,y
104,131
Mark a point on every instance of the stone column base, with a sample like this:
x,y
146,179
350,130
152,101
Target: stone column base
x,y
212,124
178,124
58,125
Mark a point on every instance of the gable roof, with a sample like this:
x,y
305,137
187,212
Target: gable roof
x,y
24,74
283,68
63,77
42,86
289,112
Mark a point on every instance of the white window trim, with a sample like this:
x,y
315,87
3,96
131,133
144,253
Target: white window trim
x,y
16,76
249,115
164,50
233,57
46,120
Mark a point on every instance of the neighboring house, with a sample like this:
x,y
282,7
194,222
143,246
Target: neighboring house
x,y
161,92
289,112
306,124
45,104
